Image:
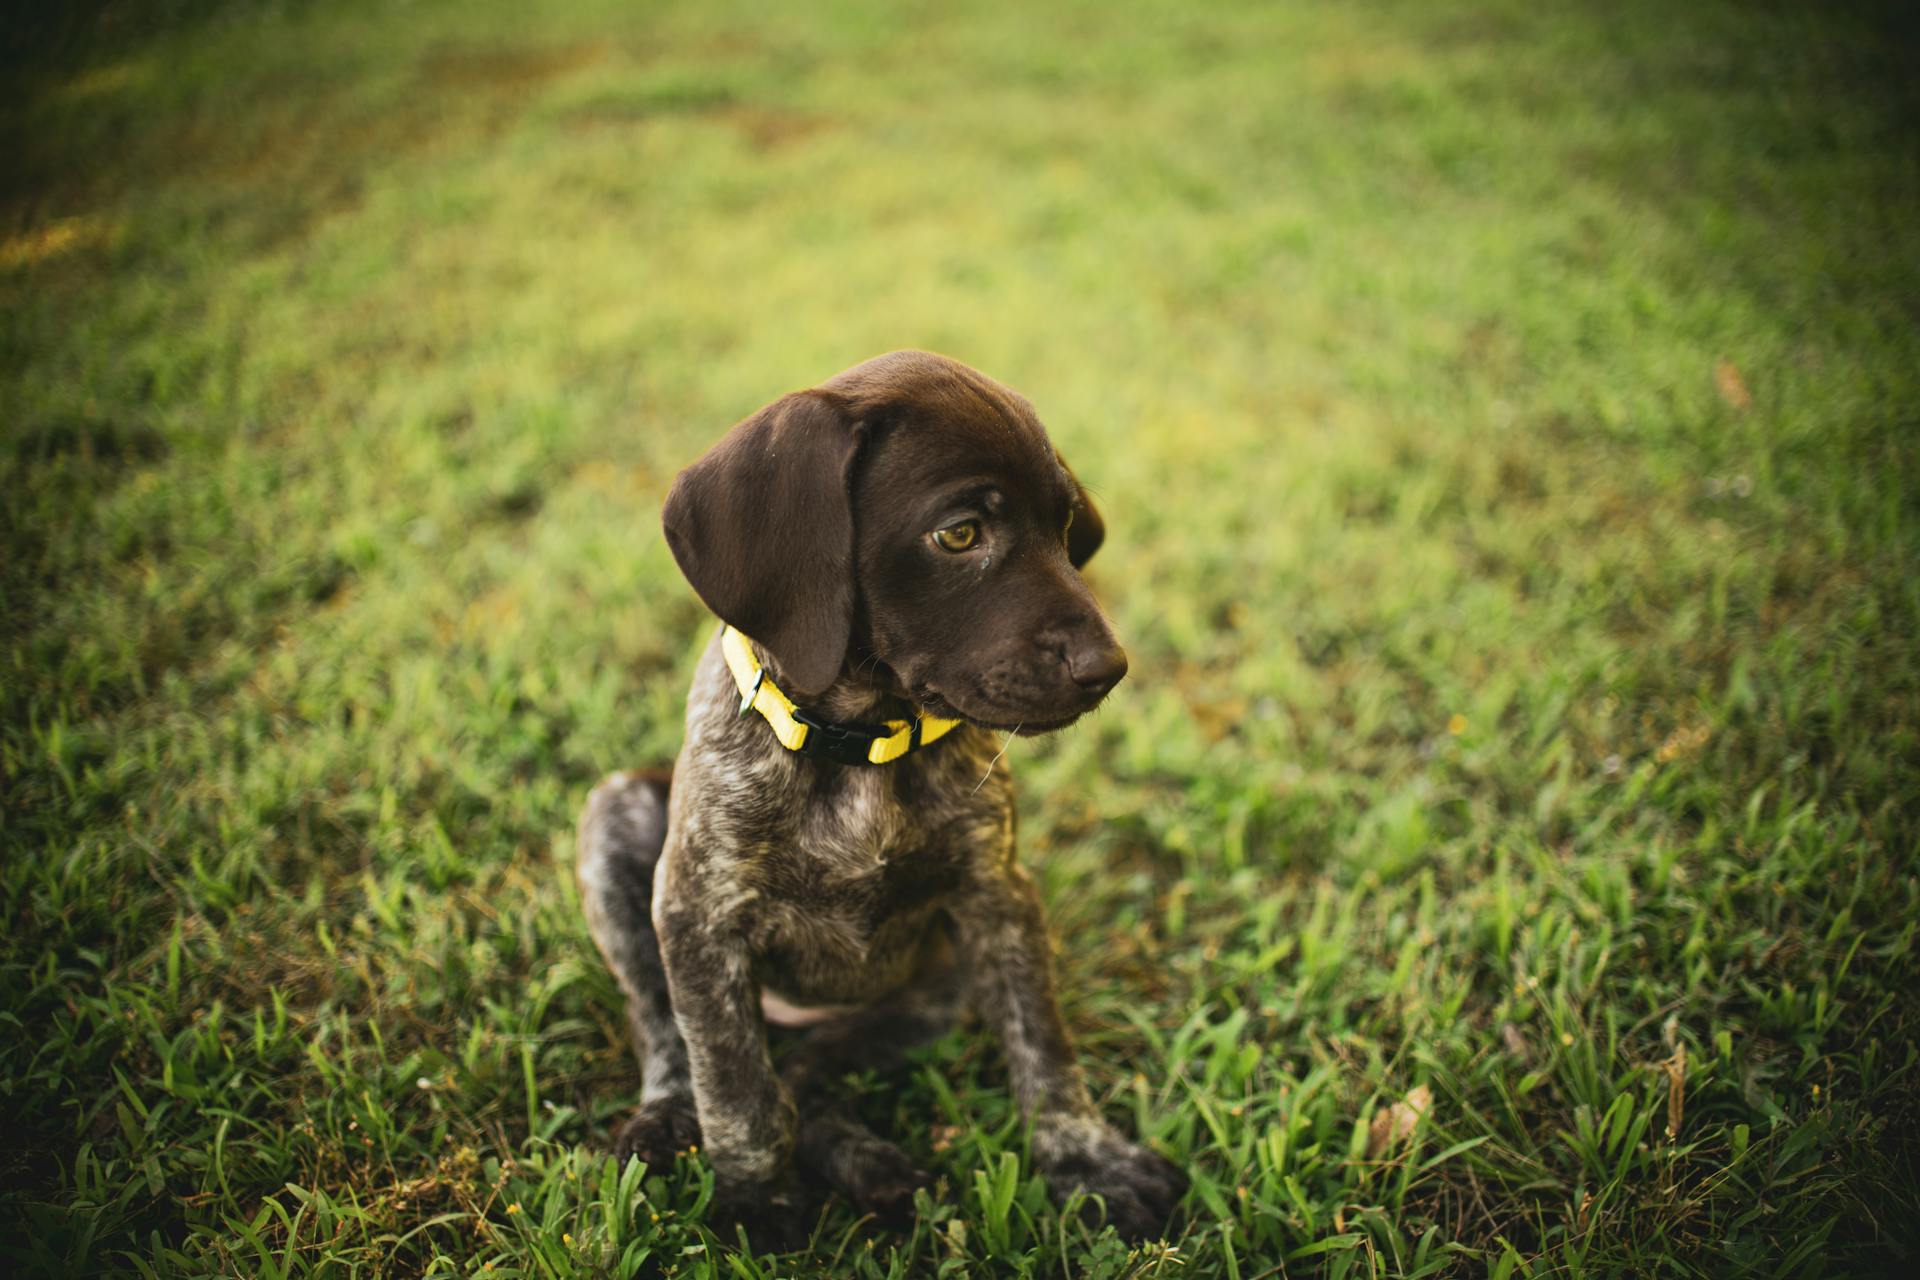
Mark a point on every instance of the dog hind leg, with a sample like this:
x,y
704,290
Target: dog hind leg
x,y
621,833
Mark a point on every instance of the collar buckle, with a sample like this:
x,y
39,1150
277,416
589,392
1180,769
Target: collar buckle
x,y
841,743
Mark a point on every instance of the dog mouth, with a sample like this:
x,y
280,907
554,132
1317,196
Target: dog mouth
x,y
1026,723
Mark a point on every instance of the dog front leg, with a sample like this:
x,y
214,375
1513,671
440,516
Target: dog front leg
x,y
746,1115
1004,932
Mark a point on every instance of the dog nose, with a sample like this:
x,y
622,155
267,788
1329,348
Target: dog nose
x,y
1097,668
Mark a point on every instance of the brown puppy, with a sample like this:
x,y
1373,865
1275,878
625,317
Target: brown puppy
x,y
899,542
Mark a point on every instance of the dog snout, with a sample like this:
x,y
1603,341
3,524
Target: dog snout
x,y
1097,666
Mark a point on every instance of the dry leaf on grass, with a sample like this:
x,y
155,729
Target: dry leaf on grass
x,y
1676,1069
1395,1124
1733,387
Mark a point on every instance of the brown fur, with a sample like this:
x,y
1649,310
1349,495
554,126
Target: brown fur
x,y
892,891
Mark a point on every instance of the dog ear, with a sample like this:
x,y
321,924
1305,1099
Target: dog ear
x,y
1088,530
763,529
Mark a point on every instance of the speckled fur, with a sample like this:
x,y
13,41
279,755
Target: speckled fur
x,y
893,890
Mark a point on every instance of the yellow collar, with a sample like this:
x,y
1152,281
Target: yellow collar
x,y
801,732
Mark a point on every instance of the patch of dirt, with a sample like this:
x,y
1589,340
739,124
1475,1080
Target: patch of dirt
x,y
503,71
53,239
770,130
308,148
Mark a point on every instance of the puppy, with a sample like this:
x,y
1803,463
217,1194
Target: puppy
x,y
895,557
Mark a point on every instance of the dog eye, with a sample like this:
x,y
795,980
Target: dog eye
x,y
958,537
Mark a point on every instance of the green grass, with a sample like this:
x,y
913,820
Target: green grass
x,y
1506,419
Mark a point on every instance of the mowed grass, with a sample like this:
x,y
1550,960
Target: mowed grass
x,y
1501,859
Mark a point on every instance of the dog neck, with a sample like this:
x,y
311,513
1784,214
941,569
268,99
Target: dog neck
x,y
863,693
805,729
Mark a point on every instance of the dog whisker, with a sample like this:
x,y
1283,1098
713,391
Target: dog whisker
x,y
1007,742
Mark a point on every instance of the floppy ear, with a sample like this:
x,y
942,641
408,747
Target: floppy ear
x,y
1088,530
762,528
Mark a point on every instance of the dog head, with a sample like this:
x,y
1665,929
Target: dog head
x,y
908,518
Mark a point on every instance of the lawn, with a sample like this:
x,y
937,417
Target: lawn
x,y
1501,859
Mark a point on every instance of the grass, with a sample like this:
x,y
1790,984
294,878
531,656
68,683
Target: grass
x,y
1506,422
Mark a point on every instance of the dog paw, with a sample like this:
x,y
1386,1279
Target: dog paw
x,y
661,1129
1140,1188
838,1151
881,1180
773,1215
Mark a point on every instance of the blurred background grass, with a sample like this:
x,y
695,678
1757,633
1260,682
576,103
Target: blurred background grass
x,y
1505,419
